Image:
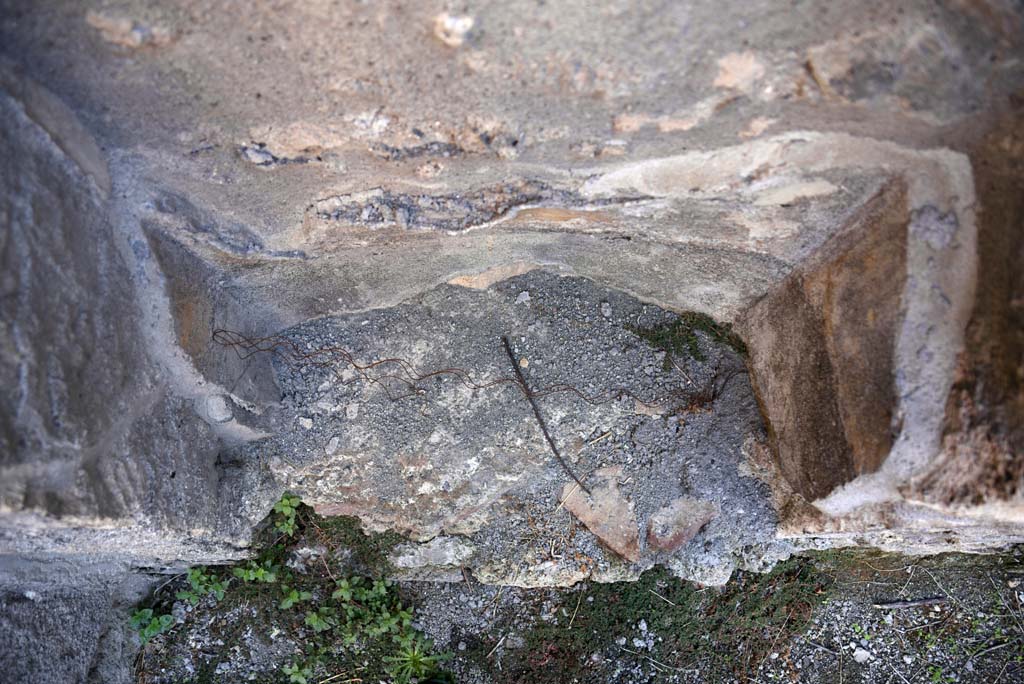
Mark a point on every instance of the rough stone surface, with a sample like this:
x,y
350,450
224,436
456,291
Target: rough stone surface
x,y
440,559
679,522
460,452
64,618
606,513
92,435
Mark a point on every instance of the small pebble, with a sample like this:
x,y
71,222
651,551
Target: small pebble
x,y
452,29
218,409
258,156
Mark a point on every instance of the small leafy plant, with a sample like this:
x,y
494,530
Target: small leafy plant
x,y
937,676
298,673
321,620
414,660
286,508
149,625
293,596
370,610
861,632
200,584
336,622
255,572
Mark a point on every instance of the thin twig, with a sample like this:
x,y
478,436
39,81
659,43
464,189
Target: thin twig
x,y
494,603
858,582
910,576
926,625
877,569
566,497
340,674
1001,672
573,618
328,569
942,588
173,577
1006,605
688,378
896,605
660,665
536,412
497,645
663,598
775,641
897,672
998,646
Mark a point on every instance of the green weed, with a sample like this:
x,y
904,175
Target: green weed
x,y
286,508
265,572
321,619
861,632
414,661
298,673
148,625
200,584
293,596
347,620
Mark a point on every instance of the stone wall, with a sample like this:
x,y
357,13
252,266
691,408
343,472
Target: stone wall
x,y
838,181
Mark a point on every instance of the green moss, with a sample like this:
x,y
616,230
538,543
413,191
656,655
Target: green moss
x,y
679,336
725,632
369,551
341,611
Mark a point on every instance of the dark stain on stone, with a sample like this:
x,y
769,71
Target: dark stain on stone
x,y
451,211
455,211
430,149
258,154
868,79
